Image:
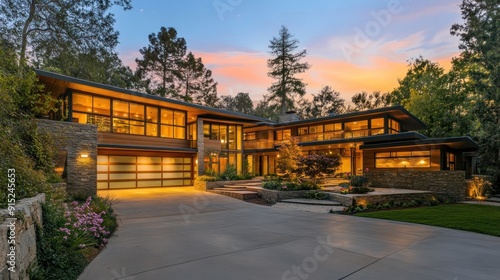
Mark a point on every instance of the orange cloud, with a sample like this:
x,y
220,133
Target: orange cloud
x,y
247,72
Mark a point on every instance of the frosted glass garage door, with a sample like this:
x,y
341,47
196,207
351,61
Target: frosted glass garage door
x,y
122,172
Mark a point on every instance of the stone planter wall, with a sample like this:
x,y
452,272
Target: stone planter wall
x,y
76,139
344,199
24,223
273,196
382,199
449,184
204,186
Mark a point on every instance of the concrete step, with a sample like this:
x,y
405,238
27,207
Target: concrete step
x,y
238,194
311,202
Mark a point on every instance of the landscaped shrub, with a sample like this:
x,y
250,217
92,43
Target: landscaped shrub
x,y
289,186
206,178
72,234
230,173
272,185
355,190
316,195
316,166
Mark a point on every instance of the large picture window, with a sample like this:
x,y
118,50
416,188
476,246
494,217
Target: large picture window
x,y
126,117
403,159
92,110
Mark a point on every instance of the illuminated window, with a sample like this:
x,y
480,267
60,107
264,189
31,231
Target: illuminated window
x,y
173,124
151,121
283,134
249,136
303,130
394,127
315,129
92,110
356,129
377,126
450,161
403,159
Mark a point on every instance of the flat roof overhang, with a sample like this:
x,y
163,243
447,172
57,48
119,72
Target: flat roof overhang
x,y
463,143
408,121
57,83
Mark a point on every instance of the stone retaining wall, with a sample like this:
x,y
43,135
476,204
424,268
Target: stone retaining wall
x,y
273,196
24,223
76,139
382,199
204,186
449,184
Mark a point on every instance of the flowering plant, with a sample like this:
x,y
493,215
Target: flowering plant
x,y
81,221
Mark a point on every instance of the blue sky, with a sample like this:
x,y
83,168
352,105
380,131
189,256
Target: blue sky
x,y
352,45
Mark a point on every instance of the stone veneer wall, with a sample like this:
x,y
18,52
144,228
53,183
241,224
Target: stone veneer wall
x,y
76,139
25,236
450,184
204,186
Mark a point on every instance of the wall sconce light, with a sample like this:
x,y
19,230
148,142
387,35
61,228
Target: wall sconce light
x,y
84,155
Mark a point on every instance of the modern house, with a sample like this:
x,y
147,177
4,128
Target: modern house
x,y
151,141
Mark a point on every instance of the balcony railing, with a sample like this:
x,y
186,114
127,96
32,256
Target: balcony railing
x,y
325,136
258,144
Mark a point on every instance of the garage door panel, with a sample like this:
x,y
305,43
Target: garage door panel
x,y
119,172
122,184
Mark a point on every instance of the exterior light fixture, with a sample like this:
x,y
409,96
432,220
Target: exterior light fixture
x,y
84,155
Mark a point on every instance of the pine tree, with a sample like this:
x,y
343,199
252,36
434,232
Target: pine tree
x,y
161,62
283,68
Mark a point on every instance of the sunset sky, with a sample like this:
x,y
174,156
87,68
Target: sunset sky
x,y
353,46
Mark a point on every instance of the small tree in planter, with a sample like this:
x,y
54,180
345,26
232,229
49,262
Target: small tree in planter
x,y
316,166
288,156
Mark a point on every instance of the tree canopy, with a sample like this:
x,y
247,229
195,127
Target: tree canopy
x,y
284,67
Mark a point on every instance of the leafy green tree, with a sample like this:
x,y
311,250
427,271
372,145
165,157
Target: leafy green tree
x,y
266,110
284,67
97,65
240,103
288,157
161,62
22,146
439,99
365,101
480,43
326,102
316,166
42,29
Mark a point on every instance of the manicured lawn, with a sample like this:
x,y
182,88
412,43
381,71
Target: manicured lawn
x,y
470,217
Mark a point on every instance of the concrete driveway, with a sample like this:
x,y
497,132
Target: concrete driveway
x,y
180,233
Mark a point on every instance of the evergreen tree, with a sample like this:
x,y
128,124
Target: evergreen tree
x,y
195,83
283,68
161,62
326,102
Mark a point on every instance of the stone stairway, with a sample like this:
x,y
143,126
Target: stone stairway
x,y
237,191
